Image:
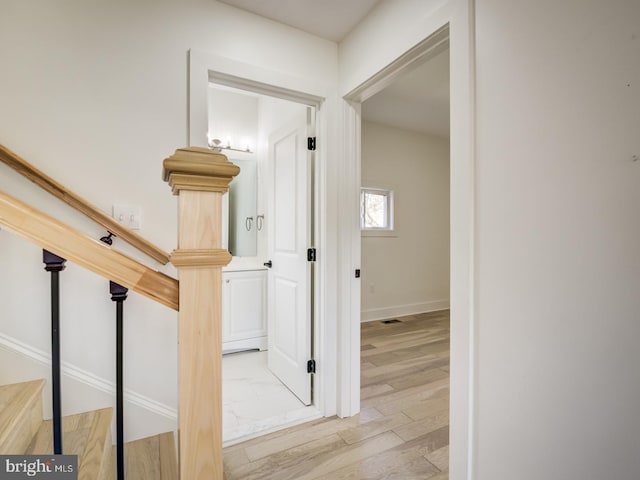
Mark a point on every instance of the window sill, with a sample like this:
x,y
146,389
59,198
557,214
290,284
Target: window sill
x,y
378,233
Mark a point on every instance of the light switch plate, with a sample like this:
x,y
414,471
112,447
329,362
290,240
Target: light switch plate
x,y
129,216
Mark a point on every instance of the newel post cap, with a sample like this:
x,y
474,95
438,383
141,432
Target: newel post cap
x,y
200,169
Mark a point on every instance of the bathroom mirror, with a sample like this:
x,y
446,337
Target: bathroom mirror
x,y
243,221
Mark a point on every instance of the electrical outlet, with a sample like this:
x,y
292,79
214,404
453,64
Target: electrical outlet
x,y
129,216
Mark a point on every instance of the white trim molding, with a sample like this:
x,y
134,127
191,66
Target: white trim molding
x,y
206,68
373,314
87,378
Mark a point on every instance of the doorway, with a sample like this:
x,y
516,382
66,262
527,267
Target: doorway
x,y
405,192
405,257
267,287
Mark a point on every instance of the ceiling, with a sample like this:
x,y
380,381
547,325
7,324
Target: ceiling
x,y
329,19
418,101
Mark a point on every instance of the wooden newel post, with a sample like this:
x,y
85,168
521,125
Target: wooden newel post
x,y
199,177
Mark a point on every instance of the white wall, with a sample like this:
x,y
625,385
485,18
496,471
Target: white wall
x,y
551,315
558,264
389,30
95,94
233,118
408,272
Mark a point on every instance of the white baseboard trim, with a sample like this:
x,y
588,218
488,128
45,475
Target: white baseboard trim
x,y
374,314
88,378
259,343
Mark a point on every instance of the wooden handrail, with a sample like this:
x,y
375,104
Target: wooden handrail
x,y
38,177
66,242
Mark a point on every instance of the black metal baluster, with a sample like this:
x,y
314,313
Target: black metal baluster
x,y
118,295
55,265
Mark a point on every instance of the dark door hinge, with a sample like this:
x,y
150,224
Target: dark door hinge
x,y
357,273
311,143
311,366
311,254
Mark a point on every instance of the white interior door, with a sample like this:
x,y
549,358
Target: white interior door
x,y
289,311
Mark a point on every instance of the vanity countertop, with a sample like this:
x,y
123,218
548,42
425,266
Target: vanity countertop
x,y
243,264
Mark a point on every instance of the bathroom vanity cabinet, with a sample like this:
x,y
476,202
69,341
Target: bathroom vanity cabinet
x,y
244,310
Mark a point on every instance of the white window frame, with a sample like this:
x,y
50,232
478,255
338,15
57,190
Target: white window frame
x,y
389,229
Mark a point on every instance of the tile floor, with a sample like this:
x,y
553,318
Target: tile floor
x,y
254,400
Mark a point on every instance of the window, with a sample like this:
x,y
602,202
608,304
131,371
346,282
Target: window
x,y
376,209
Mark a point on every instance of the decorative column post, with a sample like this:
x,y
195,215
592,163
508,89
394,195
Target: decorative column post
x,y
199,177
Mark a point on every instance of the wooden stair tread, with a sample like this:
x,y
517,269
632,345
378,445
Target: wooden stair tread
x,y
20,415
151,458
87,435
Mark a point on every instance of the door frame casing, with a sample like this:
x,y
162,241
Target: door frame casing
x,y
452,25
349,370
206,68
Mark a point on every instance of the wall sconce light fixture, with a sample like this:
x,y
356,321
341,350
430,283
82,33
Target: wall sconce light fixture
x,y
216,145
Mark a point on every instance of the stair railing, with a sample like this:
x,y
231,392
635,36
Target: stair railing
x,y
199,177
61,242
61,192
55,264
58,190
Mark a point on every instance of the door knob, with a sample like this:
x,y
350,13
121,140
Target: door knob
x,y
268,264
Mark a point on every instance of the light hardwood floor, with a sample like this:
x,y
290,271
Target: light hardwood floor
x,y
402,432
